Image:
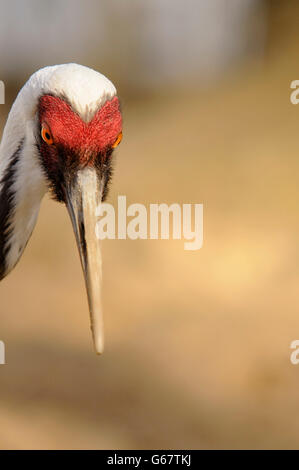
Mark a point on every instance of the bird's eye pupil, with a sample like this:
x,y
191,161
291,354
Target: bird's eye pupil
x,y
46,135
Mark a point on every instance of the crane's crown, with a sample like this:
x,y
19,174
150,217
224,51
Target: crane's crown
x,y
85,89
63,127
76,120
78,109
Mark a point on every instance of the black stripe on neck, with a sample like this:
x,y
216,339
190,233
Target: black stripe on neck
x,y
7,207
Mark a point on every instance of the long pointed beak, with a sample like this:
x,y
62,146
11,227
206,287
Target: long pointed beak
x,y
83,195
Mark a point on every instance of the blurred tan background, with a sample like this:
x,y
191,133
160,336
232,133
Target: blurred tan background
x,y
197,343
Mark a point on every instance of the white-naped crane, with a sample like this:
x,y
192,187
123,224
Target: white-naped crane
x,y
59,136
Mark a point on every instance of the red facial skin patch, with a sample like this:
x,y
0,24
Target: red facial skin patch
x,y
71,132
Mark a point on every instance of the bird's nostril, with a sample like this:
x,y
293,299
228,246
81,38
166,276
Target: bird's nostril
x,y
82,237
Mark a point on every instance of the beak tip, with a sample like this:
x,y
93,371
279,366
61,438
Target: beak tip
x,y
99,352
99,346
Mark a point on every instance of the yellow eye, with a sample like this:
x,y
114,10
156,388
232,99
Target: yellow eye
x,y
118,140
46,135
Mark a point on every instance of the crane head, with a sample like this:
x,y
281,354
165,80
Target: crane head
x,y
68,144
76,157
67,123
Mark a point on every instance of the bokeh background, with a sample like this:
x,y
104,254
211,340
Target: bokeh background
x,y
197,343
